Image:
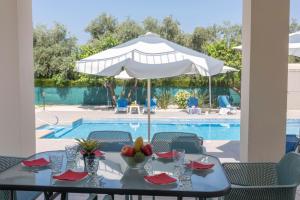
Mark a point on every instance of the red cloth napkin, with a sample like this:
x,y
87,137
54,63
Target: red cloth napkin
x,y
41,162
71,176
97,153
160,179
200,165
166,155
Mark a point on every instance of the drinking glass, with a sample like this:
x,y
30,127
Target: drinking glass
x,y
56,163
71,152
92,165
179,156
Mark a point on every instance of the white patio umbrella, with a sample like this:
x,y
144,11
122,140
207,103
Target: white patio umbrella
x,y
149,57
294,44
124,76
227,69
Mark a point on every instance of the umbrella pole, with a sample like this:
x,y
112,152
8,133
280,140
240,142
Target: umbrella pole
x,y
209,90
148,107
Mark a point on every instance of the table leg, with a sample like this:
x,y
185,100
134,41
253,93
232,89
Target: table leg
x,y
11,195
64,196
50,195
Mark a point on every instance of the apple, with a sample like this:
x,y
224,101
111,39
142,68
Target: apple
x,y
147,150
128,151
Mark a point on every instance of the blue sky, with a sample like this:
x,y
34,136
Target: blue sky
x,y
76,14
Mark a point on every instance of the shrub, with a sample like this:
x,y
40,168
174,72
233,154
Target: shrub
x,y
164,99
181,98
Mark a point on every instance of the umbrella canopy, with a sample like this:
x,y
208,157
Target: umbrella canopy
x,y
124,76
149,57
294,44
227,69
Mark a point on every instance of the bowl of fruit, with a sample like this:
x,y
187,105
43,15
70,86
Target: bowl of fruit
x,y
137,156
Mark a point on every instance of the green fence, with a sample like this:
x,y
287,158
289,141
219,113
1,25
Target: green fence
x,y
101,96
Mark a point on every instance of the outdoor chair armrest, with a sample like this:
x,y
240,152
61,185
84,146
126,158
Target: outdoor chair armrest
x,y
251,174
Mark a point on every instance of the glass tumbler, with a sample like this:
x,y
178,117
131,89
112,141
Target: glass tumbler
x,y
71,152
92,165
56,162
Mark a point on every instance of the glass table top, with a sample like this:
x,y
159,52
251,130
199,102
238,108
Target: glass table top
x,y
114,177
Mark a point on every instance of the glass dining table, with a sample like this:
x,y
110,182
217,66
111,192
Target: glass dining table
x,y
115,178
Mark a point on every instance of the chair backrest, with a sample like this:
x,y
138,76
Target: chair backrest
x,y
190,144
153,103
288,169
122,103
223,101
192,101
111,140
162,141
7,162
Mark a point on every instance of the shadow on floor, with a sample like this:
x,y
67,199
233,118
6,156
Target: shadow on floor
x,y
229,150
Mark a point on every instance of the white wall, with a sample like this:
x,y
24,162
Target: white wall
x,y
293,100
264,79
17,136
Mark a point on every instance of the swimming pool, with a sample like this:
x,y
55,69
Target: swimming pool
x,y
213,129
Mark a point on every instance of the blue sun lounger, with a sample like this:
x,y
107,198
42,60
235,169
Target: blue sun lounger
x,y
192,106
122,105
225,106
153,105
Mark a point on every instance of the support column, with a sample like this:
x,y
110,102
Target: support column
x,y
17,129
264,79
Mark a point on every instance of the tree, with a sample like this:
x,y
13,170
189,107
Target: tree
x,y
103,24
230,33
294,26
200,37
170,29
231,57
151,25
128,30
97,45
54,52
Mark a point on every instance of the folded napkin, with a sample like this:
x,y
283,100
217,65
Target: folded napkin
x,y
71,176
41,162
199,165
97,153
160,179
166,155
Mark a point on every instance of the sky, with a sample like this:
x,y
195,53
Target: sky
x,y
76,14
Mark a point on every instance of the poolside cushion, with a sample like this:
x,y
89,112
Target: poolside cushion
x,y
192,101
223,101
122,103
292,142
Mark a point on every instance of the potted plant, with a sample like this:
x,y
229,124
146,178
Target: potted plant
x,y
87,149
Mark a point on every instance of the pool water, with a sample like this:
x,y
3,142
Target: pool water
x,y
208,129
